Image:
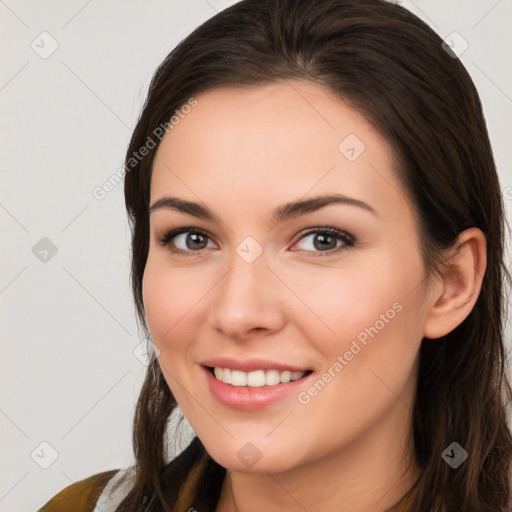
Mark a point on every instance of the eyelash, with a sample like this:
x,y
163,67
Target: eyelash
x,y
347,239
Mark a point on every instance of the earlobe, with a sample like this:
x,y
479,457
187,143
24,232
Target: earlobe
x,y
460,284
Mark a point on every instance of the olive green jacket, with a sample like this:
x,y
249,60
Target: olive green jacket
x,y
193,481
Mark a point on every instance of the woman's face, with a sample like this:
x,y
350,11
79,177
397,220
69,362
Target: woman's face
x,y
258,285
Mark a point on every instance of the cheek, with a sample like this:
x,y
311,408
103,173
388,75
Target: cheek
x,y
370,314
370,357
348,299
169,297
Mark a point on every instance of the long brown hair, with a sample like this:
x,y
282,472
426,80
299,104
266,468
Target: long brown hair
x,y
392,67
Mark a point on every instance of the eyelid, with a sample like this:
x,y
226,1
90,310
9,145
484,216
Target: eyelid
x,y
327,230
347,239
173,233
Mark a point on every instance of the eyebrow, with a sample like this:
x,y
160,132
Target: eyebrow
x,y
280,214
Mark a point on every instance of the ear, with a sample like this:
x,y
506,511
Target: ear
x,y
456,292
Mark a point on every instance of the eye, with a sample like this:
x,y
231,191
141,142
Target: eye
x,y
325,240
185,240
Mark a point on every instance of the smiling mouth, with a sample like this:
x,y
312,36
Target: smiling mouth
x,y
256,378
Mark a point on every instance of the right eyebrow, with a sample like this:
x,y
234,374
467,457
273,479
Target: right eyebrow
x,y
181,205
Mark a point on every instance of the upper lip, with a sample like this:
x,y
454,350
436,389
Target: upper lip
x,y
250,365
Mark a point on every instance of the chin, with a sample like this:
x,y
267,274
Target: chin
x,y
251,457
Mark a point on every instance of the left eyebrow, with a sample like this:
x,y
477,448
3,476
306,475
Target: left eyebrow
x,y
301,207
280,214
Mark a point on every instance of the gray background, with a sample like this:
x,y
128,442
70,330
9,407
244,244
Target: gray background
x,y
69,374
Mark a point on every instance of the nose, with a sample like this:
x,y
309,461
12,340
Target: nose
x,y
247,300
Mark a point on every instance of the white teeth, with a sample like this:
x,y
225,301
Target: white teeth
x,y
272,377
257,378
286,376
226,375
238,378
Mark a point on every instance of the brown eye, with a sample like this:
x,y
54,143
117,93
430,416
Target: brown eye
x,y
325,240
195,240
185,241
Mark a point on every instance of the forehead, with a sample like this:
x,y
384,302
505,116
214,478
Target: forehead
x,y
271,143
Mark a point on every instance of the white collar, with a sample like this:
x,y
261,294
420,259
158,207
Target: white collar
x,y
109,500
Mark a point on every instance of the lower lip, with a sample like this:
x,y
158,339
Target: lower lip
x,y
251,398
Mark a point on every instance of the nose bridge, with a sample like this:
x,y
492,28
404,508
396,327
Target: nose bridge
x,y
245,298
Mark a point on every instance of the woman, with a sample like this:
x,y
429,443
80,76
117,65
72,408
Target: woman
x,y
317,235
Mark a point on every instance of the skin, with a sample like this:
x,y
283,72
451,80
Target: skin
x,y
242,153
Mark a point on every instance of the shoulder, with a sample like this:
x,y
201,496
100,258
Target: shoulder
x,y
81,496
